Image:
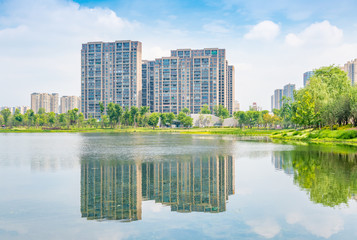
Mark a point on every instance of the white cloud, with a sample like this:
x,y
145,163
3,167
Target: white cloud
x,y
319,225
316,34
40,44
266,30
267,228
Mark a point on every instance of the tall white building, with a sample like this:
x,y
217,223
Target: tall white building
x,y
110,72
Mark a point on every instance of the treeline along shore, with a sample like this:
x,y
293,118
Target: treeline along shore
x,y
323,111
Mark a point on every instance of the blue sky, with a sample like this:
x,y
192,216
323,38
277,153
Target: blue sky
x,y
271,43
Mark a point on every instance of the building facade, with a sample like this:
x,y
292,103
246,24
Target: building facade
x,y
288,91
277,99
110,72
351,69
230,88
148,84
115,190
191,79
307,76
69,103
49,102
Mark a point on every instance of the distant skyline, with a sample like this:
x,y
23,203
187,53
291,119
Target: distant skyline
x,y
270,43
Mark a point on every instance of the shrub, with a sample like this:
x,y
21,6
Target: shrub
x,y
349,134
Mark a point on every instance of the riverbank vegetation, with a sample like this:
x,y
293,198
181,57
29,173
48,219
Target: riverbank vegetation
x,y
325,110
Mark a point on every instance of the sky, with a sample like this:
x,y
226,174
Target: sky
x,y
270,43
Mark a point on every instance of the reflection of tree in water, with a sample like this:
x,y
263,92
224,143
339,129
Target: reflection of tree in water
x,y
328,175
115,190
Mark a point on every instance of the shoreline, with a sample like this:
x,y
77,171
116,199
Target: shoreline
x,y
335,137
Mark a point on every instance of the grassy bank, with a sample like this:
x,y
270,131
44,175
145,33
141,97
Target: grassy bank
x,y
232,131
342,136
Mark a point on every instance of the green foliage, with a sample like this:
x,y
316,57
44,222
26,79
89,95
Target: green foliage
x,y
153,119
325,175
221,111
187,121
6,115
186,111
205,110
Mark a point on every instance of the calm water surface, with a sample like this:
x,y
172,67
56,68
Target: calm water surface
x,y
158,186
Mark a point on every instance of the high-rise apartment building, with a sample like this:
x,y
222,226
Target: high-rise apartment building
x,y
47,101
288,91
230,88
191,79
148,84
351,69
110,72
69,103
307,76
277,99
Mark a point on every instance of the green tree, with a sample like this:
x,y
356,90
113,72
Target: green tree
x,y
170,117
163,119
221,111
153,120
134,112
41,111
304,110
205,110
126,117
6,114
51,118
18,117
187,121
112,114
186,111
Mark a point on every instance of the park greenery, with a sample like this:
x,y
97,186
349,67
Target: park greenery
x,y
325,108
329,177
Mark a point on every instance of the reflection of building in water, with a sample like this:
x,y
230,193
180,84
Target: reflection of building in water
x,y
281,161
111,191
202,184
115,190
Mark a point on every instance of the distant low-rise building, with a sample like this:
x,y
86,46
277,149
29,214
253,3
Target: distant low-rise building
x,y
255,107
69,103
22,109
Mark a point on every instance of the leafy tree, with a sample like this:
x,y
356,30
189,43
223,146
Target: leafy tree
x,y
18,117
118,112
144,110
170,117
221,111
186,111
41,111
163,119
80,120
51,118
112,114
127,117
205,110
153,120
304,114
134,111
187,121
6,115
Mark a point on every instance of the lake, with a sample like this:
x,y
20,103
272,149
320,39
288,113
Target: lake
x,y
174,186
